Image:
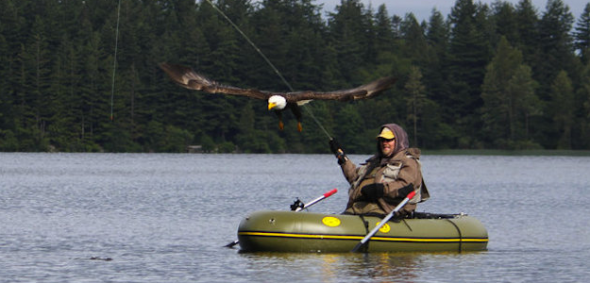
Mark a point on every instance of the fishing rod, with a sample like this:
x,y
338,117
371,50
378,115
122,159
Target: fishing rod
x,y
270,64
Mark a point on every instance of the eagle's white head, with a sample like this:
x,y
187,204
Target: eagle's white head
x,y
277,102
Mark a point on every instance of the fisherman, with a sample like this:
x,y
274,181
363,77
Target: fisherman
x,y
385,179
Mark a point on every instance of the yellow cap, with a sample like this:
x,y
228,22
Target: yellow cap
x,y
387,134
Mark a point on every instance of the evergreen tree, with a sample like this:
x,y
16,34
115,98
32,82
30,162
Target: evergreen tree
x,y
561,110
250,140
509,99
505,21
527,22
415,46
383,30
467,61
556,44
437,36
416,97
57,72
584,93
313,136
347,35
4,106
498,107
527,105
582,34
353,121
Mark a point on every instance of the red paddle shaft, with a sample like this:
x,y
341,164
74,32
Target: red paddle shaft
x,y
328,194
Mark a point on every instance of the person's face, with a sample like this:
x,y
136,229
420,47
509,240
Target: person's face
x,y
386,146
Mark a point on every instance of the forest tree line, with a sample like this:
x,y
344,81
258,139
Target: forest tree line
x,y
83,76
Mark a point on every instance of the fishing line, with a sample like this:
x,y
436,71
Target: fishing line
x,y
270,64
115,61
253,45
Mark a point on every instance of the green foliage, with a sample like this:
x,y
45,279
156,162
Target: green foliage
x,y
416,100
349,124
502,76
582,34
555,45
561,109
468,57
584,95
509,98
527,21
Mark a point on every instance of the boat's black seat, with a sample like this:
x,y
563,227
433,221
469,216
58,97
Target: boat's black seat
x,y
428,215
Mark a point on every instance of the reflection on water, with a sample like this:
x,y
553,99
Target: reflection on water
x,y
378,267
374,267
386,267
166,218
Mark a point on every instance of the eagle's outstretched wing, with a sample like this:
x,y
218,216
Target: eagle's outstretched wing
x,y
362,92
188,78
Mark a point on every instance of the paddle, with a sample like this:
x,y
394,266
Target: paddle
x,y
383,221
333,191
299,208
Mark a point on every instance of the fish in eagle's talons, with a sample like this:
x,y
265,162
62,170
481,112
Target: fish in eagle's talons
x,y
277,101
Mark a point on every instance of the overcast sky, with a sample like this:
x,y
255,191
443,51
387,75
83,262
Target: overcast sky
x,y
423,8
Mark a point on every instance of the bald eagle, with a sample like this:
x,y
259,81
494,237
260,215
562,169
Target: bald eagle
x,y
277,101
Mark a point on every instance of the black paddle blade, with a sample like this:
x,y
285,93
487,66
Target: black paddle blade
x,y
357,247
232,244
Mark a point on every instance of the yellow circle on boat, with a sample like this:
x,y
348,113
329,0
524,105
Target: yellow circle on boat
x,y
384,229
331,221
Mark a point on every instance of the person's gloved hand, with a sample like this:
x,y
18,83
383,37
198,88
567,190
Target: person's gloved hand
x,y
403,192
373,192
337,150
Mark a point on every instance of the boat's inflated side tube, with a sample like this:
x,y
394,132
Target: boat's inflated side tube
x,y
286,231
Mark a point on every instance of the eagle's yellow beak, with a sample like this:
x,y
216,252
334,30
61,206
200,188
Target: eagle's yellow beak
x,y
271,106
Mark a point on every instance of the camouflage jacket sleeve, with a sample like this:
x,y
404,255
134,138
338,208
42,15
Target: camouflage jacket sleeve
x,y
349,170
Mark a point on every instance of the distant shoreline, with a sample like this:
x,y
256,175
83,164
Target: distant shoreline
x,y
458,152
539,152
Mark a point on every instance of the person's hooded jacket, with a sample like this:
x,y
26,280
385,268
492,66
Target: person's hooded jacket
x,y
398,170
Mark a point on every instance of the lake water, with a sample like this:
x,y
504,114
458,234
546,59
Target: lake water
x,y
166,218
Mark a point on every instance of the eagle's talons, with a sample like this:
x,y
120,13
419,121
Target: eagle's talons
x,y
281,125
299,128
